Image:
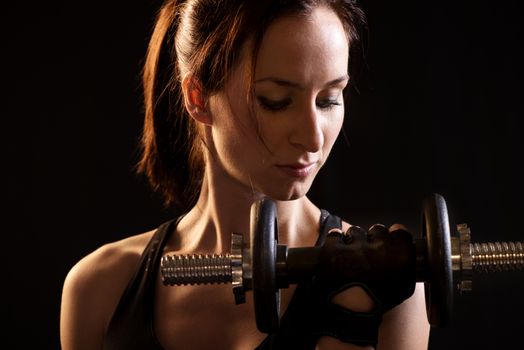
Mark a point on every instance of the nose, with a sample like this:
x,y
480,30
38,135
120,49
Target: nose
x,y
307,132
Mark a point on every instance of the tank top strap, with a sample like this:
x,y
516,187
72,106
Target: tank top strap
x,y
131,326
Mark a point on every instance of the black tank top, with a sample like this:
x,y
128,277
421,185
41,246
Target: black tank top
x,y
132,327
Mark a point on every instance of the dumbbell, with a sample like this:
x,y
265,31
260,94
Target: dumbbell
x,y
264,267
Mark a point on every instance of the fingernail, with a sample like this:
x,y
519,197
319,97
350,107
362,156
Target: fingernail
x,y
336,230
376,226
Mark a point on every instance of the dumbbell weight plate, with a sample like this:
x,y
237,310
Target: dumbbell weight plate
x,y
439,284
264,237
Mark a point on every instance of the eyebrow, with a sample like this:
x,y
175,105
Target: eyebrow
x,y
287,83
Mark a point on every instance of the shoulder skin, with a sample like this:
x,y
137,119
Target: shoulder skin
x,y
93,288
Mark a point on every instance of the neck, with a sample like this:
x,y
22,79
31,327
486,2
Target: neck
x,y
224,207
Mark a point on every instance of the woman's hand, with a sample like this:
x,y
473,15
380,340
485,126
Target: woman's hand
x,y
376,262
379,261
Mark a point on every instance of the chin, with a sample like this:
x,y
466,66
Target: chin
x,y
290,193
280,189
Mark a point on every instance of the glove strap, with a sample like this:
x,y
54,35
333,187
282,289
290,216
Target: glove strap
x,y
348,326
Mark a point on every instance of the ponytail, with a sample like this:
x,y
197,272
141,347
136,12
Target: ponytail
x,y
171,157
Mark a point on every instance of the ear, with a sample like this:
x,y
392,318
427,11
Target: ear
x,y
195,100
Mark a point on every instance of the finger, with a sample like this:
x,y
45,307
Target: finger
x,y
356,233
336,230
377,231
396,227
399,232
343,236
335,234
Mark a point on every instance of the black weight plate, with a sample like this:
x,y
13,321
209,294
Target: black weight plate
x,y
439,287
264,237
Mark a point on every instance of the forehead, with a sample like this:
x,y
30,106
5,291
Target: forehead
x,y
304,48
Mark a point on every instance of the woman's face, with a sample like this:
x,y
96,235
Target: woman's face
x,y
276,145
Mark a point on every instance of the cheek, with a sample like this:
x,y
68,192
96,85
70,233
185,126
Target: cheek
x,y
230,119
332,128
274,131
234,132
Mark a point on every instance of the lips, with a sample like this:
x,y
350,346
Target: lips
x,y
297,169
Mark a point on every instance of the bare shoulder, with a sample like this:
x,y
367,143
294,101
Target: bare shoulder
x,y
92,289
112,256
109,264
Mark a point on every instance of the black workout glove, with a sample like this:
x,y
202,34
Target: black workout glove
x,y
382,262
379,261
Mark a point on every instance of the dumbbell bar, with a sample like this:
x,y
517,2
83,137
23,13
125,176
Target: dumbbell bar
x,y
265,267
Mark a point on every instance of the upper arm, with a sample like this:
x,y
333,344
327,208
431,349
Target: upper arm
x,y
90,294
79,326
406,326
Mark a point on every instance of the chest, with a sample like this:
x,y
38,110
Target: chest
x,y
206,317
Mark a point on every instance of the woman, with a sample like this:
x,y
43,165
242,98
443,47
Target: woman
x,y
244,100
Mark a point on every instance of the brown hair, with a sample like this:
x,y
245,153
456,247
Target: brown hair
x,y
205,37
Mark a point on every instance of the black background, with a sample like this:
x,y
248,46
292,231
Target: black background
x,y
439,111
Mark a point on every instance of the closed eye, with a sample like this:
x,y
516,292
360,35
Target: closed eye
x,y
273,105
329,104
279,105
